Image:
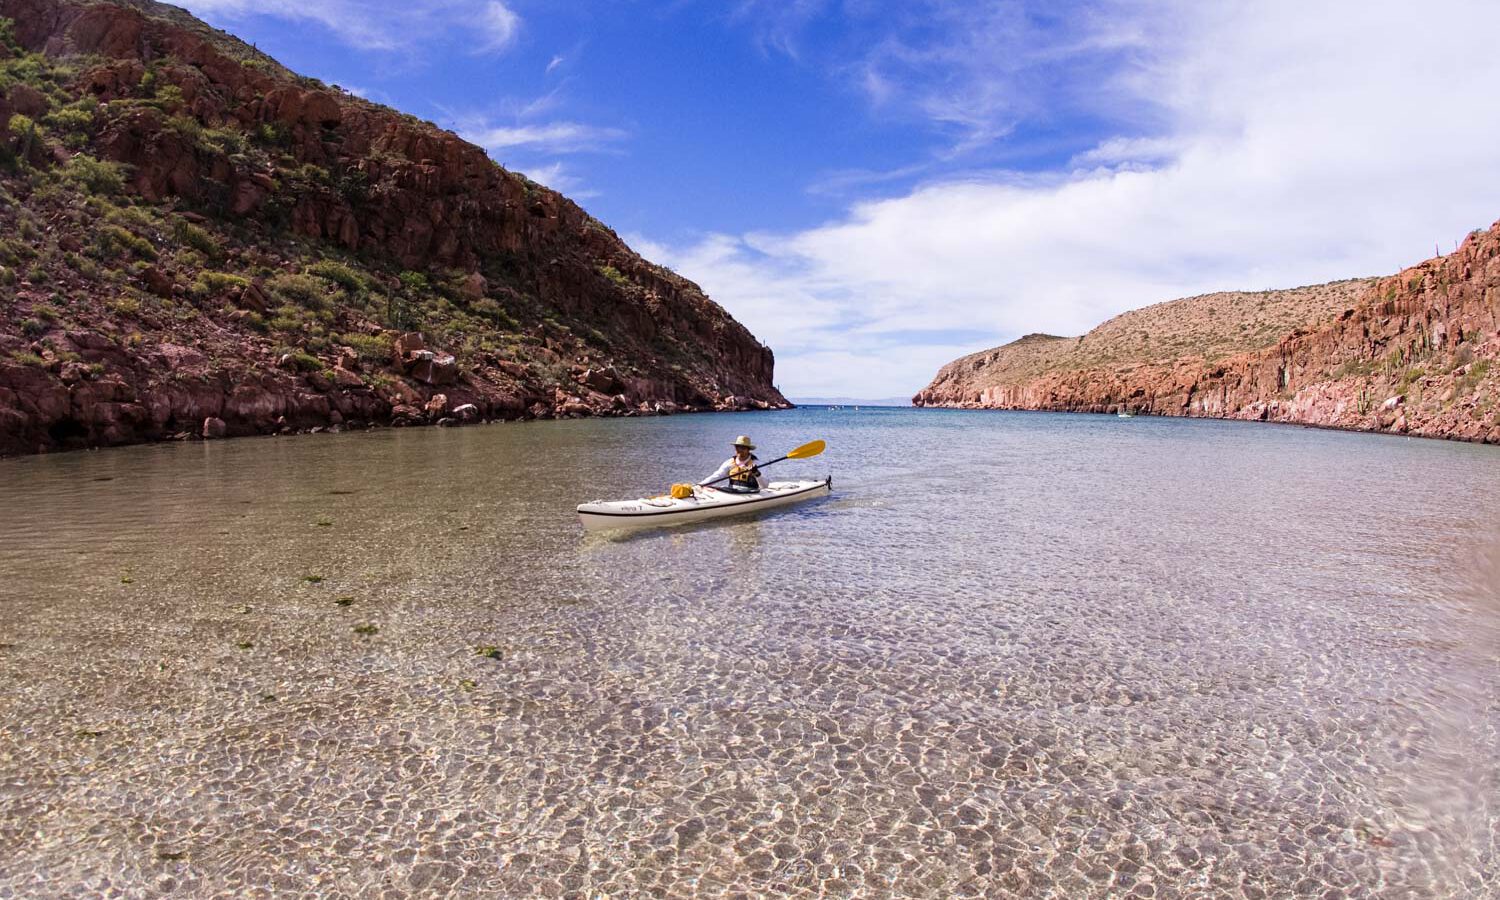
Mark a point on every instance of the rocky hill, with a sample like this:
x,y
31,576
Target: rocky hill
x,y
195,240
1410,353
1207,327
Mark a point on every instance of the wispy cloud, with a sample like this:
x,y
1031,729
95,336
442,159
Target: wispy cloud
x,y
1284,152
524,141
490,25
971,70
1124,151
546,137
778,24
499,25
560,178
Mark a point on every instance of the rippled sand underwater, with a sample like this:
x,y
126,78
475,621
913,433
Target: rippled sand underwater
x,y
1013,655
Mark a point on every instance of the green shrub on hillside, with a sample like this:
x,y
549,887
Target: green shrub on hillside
x,y
272,133
125,306
353,185
8,40
191,235
311,174
304,290
112,240
369,347
25,132
130,216
415,283
74,122
187,126
398,312
25,68
169,99
614,275
228,141
288,318
302,361
94,175
14,252
1466,383
337,273
214,284
495,313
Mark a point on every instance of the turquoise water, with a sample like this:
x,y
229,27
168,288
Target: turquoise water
x,y
1013,655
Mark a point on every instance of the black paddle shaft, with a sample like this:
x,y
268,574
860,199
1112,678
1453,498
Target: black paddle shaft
x,y
756,466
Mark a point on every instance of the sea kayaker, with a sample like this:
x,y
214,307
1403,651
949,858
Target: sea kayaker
x,y
744,475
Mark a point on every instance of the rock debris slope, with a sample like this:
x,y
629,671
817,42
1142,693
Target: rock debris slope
x,y
194,240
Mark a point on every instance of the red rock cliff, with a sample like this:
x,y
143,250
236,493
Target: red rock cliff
x,y
196,233
1412,354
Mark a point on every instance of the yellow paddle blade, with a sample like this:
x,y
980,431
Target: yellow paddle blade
x,y
807,450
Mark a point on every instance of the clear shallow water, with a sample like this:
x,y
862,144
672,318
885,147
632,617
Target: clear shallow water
x,y
1014,654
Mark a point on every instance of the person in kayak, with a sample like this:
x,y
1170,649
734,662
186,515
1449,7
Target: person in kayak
x,y
744,475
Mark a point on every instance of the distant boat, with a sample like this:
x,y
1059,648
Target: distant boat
x,y
1125,413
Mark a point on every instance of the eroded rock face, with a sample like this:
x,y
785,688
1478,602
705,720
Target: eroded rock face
x,y
351,177
1413,354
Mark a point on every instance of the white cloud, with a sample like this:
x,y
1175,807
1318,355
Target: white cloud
x,y
377,25
971,69
551,137
518,134
1120,151
1299,143
500,26
557,176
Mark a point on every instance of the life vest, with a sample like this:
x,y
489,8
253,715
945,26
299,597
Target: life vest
x,y
742,479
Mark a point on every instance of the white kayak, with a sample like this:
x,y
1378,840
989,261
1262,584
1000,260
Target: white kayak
x,y
705,503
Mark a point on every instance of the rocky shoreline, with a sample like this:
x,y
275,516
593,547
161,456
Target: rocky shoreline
x,y
1412,356
87,391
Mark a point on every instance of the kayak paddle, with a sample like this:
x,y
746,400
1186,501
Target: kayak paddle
x,y
806,451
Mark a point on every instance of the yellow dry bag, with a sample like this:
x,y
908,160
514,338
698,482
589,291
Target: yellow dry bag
x,y
681,491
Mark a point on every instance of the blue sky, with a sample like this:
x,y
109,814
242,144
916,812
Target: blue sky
x,y
875,188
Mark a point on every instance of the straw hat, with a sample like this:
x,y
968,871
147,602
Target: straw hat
x,y
744,441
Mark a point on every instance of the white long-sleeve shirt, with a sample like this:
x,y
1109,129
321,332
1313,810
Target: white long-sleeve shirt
x,y
729,464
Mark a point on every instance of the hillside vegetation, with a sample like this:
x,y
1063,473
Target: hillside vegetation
x,y
192,237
